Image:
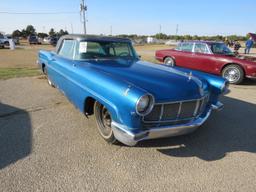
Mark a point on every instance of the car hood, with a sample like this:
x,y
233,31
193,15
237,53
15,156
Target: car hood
x,y
165,83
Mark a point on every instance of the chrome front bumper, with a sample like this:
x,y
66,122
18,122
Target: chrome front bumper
x,y
126,136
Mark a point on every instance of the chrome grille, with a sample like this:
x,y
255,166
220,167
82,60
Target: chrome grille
x,y
176,111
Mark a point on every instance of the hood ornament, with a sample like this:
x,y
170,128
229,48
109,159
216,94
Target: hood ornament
x,y
190,75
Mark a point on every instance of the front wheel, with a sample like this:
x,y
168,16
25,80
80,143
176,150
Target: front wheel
x,y
48,80
233,73
169,61
103,120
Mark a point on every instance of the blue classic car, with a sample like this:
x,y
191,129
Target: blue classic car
x,y
132,100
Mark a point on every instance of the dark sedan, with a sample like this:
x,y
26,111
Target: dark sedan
x,y
210,57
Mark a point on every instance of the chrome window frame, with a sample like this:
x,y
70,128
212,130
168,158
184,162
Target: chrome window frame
x,y
207,47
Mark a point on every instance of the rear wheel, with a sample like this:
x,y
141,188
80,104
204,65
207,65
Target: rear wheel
x,y
233,73
6,44
169,61
103,120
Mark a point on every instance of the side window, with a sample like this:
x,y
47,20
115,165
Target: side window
x,y
200,48
178,48
67,48
93,47
187,47
122,49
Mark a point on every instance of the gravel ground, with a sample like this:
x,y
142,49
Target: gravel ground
x,y
48,145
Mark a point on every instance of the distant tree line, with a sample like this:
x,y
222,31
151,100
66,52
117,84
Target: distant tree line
x,y
30,30
188,37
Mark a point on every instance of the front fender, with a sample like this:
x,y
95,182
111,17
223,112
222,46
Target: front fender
x,y
118,96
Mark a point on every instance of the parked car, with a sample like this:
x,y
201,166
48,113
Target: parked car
x,y
1,44
46,40
54,41
33,39
210,57
16,40
51,40
4,41
132,100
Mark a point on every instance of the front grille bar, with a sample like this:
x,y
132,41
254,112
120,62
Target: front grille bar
x,y
197,107
161,113
179,111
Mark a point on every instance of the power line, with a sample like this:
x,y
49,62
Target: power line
x,y
38,13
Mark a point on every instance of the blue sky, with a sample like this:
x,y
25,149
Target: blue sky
x,y
197,17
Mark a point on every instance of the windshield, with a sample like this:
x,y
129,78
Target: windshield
x,y
104,50
221,48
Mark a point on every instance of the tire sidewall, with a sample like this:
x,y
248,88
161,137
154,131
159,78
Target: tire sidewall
x,y
97,113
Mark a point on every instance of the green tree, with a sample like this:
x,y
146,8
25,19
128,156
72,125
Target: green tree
x,y
161,36
52,32
16,33
30,29
42,35
62,32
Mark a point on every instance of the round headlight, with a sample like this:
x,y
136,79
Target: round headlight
x,y
224,88
145,104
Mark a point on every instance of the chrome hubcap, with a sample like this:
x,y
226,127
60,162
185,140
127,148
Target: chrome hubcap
x,y
169,62
106,121
232,74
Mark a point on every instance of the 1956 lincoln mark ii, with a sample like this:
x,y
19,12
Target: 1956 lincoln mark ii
x,y
132,100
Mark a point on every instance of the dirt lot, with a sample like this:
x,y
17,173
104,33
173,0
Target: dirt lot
x,y
48,145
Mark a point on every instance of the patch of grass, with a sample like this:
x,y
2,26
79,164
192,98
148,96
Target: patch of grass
x,y
7,73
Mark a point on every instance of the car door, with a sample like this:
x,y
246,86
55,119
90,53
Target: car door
x,y
203,59
184,54
61,66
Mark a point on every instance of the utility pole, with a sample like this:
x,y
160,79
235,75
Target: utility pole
x,y
71,25
111,30
177,29
160,28
83,9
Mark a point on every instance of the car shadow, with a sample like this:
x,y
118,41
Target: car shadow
x,y
230,130
249,82
15,134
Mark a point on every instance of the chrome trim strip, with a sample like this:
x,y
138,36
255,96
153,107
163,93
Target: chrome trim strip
x,y
250,77
169,121
183,101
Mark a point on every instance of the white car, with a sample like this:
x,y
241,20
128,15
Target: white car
x,y
4,41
